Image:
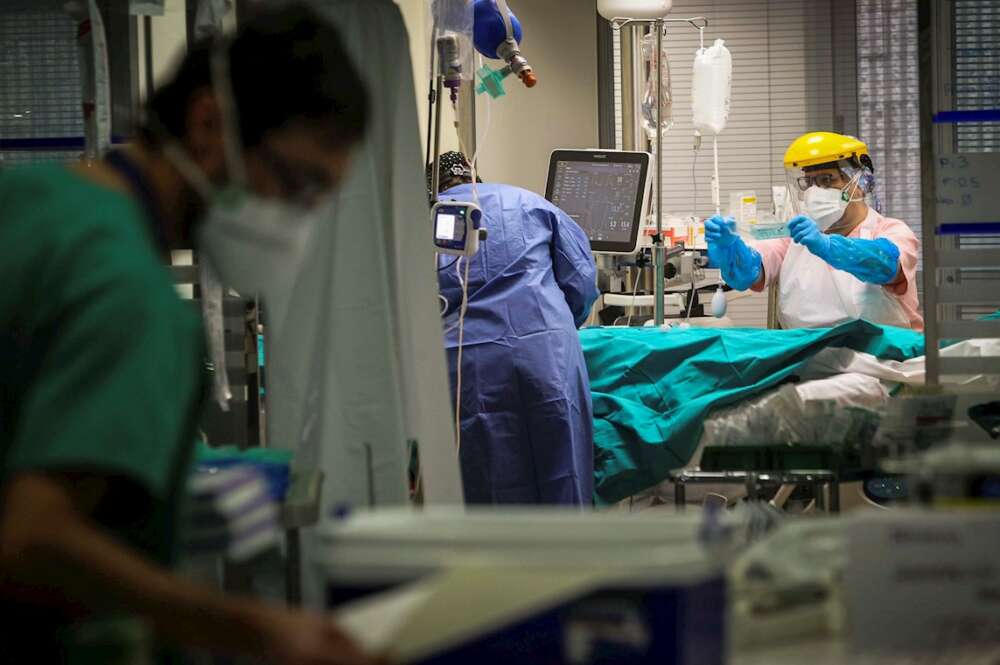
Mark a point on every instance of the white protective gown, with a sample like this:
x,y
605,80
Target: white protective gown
x,y
814,294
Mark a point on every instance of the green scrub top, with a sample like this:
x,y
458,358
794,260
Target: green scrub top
x,y
100,360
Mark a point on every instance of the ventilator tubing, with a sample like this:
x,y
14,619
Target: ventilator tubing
x,y
872,261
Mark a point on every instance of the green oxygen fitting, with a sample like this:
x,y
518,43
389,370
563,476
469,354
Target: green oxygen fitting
x,y
491,81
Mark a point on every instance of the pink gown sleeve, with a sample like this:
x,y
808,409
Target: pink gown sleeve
x,y
772,253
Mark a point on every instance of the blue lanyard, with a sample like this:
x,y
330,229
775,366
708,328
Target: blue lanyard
x,y
143,190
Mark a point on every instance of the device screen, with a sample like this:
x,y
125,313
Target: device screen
x,y
445,227
599,196
449,227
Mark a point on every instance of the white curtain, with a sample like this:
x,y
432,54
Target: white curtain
x,y
356,362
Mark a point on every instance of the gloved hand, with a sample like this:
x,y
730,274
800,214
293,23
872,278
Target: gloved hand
x,y
719,231
805,232
873,261
740,264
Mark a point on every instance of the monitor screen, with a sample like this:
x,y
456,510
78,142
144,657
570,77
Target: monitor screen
x,y
446,226
603,191
449,226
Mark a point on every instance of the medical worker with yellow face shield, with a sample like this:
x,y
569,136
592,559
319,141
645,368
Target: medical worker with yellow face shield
x,y
844,259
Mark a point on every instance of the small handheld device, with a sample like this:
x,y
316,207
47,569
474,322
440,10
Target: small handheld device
x,y
456,227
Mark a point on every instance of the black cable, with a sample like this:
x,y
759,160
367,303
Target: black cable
x,y
431,100
694,292
450,264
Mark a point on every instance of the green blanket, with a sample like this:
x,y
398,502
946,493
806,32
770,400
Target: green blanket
x,y
653,389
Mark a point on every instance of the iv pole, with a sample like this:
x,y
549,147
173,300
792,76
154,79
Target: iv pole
x,y
617,23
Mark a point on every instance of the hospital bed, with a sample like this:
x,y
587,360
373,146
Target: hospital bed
x,y
655,391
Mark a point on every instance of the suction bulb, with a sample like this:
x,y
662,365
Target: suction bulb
x,y
719,303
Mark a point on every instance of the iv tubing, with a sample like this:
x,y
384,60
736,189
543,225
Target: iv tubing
x,y
458,365
715,176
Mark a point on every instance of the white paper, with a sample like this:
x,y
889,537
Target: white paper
x,y
966,187
429,617
922,581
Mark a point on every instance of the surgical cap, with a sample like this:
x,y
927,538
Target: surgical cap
x,y
453,165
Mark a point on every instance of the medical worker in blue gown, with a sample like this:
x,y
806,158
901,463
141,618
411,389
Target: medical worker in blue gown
x,y
526,428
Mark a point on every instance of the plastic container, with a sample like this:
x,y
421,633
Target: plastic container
x,y
676,229
769,230
743,208
711,89
395,546
664,600
274,465
649,115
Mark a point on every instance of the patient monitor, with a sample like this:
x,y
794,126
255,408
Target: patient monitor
x,y
456,227
606,192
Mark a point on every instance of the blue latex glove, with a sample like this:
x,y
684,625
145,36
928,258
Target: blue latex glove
x,y
804,231
740,264
873,261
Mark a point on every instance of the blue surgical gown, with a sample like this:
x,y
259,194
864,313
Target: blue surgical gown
x,y
526,415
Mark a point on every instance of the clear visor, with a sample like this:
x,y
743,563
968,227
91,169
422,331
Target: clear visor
x,y
843,176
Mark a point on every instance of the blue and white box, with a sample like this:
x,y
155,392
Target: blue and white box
x,y
527,586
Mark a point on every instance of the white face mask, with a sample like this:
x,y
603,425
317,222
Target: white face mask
x,y
255,244
826,205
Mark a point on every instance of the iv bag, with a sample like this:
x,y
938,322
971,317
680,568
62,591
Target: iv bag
x,y
649,59
711,88
451,15
452,23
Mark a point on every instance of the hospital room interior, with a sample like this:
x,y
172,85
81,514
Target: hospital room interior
x,y
576,332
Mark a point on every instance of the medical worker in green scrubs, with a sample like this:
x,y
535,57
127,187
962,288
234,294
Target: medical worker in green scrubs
x,y
100,379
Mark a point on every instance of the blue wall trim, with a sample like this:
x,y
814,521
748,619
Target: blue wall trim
x,y
50,143
980,229
950,117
